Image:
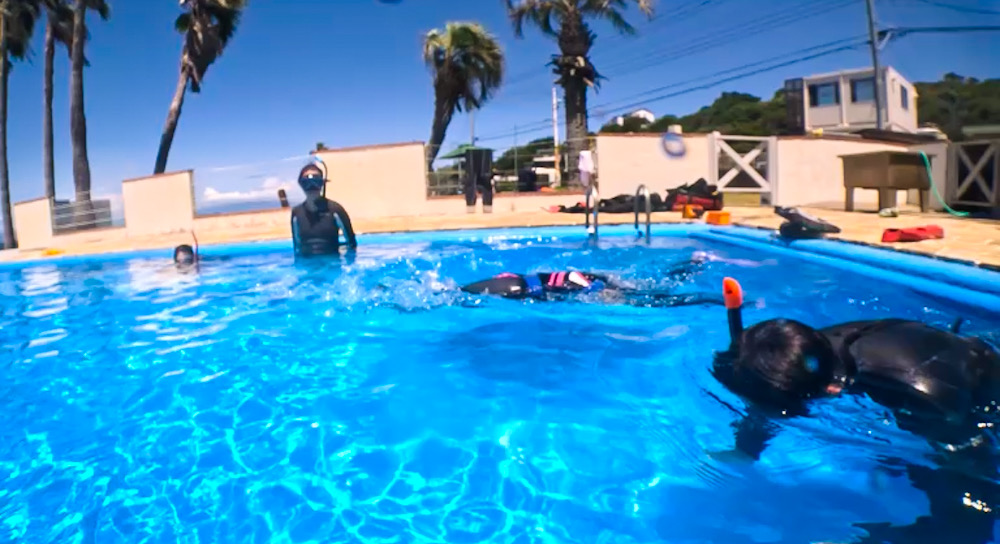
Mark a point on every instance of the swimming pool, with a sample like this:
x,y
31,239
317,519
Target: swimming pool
x,y
264,401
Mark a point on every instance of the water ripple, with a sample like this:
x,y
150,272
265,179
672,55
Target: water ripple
x,y
264,400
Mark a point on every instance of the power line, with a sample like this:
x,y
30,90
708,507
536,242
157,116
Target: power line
x,y
727,36
682,13
854,40
745,75
848,44
902,31
960,9
724,36
680,48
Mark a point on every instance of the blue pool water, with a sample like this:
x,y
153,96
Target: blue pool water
x,y
267,401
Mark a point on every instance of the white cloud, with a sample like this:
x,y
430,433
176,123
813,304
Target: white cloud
x,y
268,190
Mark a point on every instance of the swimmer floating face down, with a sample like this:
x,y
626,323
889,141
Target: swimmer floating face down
x,y
779,362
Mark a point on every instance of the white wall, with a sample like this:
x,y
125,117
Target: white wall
x,y
810,171
624,161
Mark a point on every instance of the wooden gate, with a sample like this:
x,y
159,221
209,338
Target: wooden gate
x,y
744,164
974,173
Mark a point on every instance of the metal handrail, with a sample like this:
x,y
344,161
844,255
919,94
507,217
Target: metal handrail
x,y
592,191
644,192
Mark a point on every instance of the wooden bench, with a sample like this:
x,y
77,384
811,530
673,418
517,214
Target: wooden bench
x,y
886,172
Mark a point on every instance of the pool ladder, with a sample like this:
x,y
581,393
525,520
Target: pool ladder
x,y
592,192
643,192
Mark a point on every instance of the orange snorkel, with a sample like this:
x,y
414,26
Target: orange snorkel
x,y
732,295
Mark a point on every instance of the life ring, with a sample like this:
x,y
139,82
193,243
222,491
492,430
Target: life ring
x,y
673,145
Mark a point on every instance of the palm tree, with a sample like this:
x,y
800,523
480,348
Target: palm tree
x,y
207,25
58,28
17,21
566,21
77,119
467,66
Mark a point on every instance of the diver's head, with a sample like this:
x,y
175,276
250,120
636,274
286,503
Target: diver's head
x,y
785,362
184,255
311,180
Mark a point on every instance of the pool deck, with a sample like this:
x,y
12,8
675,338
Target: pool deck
x,y
976,240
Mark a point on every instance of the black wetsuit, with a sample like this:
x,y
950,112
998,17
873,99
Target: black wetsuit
x,y
938,385
559,285
317,233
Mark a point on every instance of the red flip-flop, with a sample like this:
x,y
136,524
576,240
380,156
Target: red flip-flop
x,y
913,234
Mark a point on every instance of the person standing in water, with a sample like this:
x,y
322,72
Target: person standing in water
x,y
316,223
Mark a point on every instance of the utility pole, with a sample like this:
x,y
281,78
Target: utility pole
x,y
873,42
472,127
555,137
515,150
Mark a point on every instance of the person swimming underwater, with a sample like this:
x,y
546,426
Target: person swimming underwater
x,y
561,285
939,385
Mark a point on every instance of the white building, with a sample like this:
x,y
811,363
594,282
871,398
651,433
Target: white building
x,y
643,114
844,101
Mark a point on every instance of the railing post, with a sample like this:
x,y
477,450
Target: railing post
x,y
643,192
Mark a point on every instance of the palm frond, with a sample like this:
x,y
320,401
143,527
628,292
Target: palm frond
x,y
467,64
183,23
20,17
60,20
100,6
537,12
225,19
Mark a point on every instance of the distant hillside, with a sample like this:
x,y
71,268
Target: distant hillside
x,y
949,104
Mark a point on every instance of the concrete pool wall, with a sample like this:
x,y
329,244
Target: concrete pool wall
x,y
389,181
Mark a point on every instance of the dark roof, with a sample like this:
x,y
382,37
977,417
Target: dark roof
x,y
896,137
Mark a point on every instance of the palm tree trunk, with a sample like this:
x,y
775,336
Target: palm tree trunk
x,y
77,119
443,110
48,159
576,123
9,241
173,116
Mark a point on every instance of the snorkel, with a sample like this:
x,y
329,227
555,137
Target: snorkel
x,y
732,295
197,255
322,166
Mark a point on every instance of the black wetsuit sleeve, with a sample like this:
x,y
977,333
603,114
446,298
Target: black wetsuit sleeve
x,y
295,233
753,433
505,286
345,220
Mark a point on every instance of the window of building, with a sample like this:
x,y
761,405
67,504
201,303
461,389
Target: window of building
x,y
863,90
904,97
824,94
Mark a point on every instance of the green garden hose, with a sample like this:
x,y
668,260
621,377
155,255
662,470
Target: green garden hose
x,y
930,178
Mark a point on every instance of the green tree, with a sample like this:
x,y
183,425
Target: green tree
x,y
77,118
207,26
467,68
520,156
567,22
955,102
58,28
17,22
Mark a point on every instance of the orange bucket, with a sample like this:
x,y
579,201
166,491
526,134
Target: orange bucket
x,y
691,211
717,218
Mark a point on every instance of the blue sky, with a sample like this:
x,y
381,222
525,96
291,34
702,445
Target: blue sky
x,y
349,72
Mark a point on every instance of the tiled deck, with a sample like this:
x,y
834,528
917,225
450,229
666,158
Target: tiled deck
x,y
968,239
